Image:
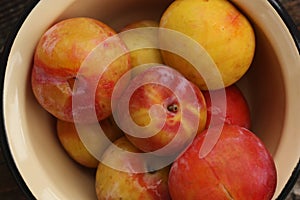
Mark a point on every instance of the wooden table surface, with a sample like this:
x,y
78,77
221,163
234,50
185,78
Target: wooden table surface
x,y
9,189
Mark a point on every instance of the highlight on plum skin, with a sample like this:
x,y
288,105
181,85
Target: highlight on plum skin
x,y
238,167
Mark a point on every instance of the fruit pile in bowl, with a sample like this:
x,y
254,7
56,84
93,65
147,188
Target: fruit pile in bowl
x,y
154,100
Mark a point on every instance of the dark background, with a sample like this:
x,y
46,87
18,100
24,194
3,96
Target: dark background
x,y
10,11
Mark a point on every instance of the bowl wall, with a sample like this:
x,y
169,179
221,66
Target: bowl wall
x,y
270,87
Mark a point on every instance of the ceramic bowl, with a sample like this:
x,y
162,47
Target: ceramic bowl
x,y
37,159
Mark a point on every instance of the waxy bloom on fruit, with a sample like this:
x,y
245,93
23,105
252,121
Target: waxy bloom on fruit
x,y
60,55
112,183
235,109
161,111
238,167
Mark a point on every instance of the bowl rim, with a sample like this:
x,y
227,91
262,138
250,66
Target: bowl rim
x,y
3,62
3,138
296,36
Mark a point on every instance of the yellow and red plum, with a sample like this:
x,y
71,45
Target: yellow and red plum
x,y
58,58
112,183
221,29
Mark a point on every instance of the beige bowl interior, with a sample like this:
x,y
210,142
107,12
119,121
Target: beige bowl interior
x,y
271,87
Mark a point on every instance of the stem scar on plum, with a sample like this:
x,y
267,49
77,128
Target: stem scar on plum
x,y
71,82
174,107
